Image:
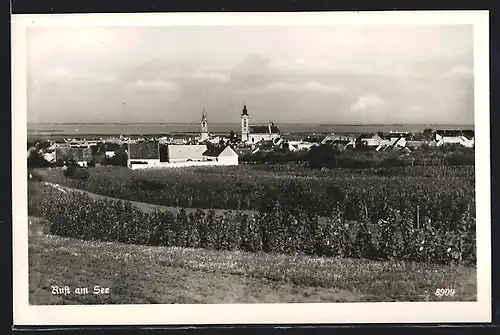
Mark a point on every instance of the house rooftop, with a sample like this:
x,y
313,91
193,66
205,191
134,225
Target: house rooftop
x,y
342,142
144,150
455,132
214,151
363,136
186,151
272,129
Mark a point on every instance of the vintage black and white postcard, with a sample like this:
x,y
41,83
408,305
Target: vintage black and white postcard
x,y
247,168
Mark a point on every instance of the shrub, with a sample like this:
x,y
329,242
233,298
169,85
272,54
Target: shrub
x,y
36,160
75,172
282,230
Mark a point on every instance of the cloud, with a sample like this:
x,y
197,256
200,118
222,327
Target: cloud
x,y
156,84
460,71
301,65
311,86
215,76
66,74
367,102
253,63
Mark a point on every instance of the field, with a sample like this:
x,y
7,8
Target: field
x,y
443,194
149,275
256,233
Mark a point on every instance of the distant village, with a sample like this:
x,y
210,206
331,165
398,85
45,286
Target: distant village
x,y
208,150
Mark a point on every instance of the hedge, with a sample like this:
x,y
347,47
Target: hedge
x,y
284,229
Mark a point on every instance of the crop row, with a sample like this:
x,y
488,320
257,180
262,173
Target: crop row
x,y
290,229
442,199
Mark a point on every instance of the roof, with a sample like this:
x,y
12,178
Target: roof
x,y
214,151
455,133
186,151
144,150
76,154
264,129
363,136
342,142
468,133
315,139
396,134
218,151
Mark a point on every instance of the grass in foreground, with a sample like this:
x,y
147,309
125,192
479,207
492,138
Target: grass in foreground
x,y
141,275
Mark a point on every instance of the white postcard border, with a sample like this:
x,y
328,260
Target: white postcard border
x,y
397,312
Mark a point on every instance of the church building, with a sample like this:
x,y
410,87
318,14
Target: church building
x,y
204,127
255,134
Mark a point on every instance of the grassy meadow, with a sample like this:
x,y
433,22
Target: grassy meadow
x,y
139,274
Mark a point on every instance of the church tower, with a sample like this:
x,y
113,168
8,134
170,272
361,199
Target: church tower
x,y
244,124
204,127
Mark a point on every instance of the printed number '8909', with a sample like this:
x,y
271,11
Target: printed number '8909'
x,y
444,292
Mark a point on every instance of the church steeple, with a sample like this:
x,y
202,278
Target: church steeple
x,y
245,126
204,126
244,111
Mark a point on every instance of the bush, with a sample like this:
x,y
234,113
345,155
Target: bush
x,y
75,172
284,230
36,160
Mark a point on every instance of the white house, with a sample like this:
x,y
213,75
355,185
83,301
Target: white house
x,y
461,137
182,153
50,156
300,145
223,156
143,154
371,140
172,155
330,138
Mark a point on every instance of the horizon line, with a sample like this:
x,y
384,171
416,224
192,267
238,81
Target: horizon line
x,y
305,123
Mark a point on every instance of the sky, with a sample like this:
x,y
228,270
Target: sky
x,y
339,74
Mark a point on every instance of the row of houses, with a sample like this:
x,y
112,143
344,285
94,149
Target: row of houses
x,y
78,150
170,152
380,141
403,141
155,155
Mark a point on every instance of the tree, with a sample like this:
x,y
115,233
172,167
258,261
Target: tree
x,y
320,156
232,137
36,160
428,134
